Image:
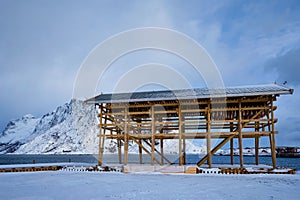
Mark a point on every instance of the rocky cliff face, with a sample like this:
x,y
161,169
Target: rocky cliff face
x,y
70,128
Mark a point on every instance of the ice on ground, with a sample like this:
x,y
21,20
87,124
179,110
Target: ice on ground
x,y
95,185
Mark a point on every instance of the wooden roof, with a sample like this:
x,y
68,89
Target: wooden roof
x,y
198,93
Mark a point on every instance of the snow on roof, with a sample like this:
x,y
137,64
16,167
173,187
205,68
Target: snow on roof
x,y
198,93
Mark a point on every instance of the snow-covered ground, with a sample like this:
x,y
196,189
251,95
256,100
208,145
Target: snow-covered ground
x,y
96,185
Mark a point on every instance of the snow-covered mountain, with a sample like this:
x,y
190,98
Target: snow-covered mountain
x,y
72,127
17,132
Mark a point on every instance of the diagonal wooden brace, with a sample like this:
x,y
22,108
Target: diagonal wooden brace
x,y
158,152
146,150
214,150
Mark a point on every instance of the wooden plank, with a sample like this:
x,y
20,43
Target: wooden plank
x,y
126,121
140,149
208,136
256,144
202,127
101,146
143,112
195,135
153,130
231,145
240,135
184,149
180,135
272,137
256,149
120,113
174,103
141,152
104,131
162,150
236,120
273,151
119,151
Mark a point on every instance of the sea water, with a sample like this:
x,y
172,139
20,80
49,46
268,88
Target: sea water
x,y
134,159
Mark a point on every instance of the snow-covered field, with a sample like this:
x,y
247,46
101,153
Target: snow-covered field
x,y
95,185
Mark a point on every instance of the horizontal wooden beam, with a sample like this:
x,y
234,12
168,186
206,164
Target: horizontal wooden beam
x,y
195,135
185,103
186,111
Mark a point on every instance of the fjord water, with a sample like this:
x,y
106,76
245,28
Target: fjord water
x,y
134,159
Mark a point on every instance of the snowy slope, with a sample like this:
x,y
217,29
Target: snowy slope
x,y
72,127
89,185
17,132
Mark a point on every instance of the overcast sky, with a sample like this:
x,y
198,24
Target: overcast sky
x,y
44,42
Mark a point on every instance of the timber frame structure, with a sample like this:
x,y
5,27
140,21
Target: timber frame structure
x,y
227,114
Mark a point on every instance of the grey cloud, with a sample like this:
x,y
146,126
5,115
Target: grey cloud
x,y
287,67
42,45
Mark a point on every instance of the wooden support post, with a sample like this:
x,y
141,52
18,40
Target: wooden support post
x,y
240,134
119,150
141,152
256,149
231,145
184,149
104,131
184,138
101,147
126,121
140,148
273,150
256,143
152,135
162,150
208,136
272,136
181,162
